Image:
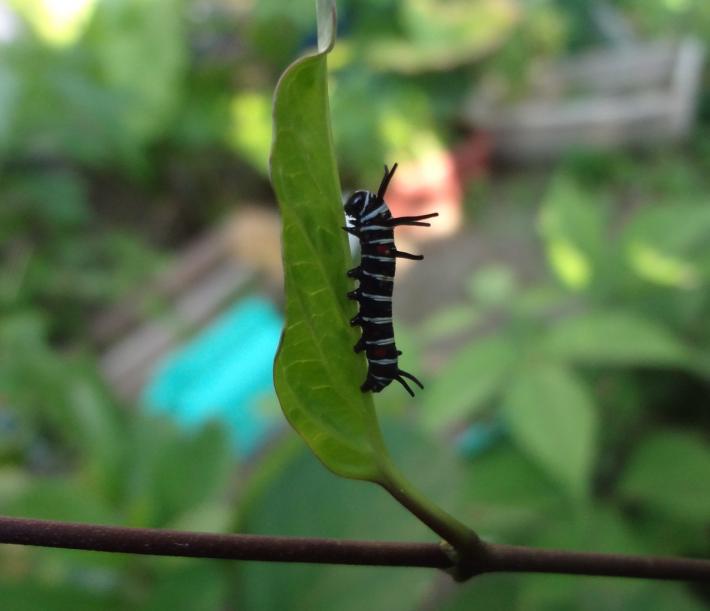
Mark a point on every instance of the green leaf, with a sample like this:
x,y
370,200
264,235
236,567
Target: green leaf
x,y
508,494
191,585
614,338
487,591
9,96
35,593
669,472
60,499
571,224
122,35
492,286
677,258
449,321
552,418
468,381
316,374
442,36
169,473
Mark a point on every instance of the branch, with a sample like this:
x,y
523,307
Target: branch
x,y
494,558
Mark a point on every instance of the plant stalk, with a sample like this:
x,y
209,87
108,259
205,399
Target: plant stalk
x,y
468,553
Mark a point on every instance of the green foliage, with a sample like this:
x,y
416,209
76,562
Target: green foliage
x,y
508,493
615,338
472,378
316,374
102,467
131,125
601,402
665,474
552,417
345,509
571,223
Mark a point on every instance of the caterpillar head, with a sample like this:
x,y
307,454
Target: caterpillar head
x,y
356,203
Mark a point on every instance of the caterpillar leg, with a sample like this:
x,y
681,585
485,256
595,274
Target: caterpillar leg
x,y
356,321
354,295
355,272
352,231
411,377
369,386
385,182
407,255
360,346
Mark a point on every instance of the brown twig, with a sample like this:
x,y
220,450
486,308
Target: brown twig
x,y
495,558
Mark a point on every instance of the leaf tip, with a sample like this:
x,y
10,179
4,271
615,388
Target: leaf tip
x,y
326,15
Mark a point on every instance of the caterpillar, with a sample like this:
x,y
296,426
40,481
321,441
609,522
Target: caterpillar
x,y
373,224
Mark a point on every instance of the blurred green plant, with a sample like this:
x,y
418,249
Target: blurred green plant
x,y
69,452
101,150
597,379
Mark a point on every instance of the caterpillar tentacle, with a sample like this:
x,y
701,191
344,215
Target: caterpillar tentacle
x,y
407,255
406,374
414,221
400,379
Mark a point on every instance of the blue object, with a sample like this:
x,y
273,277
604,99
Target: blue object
x,y
224,374
479,437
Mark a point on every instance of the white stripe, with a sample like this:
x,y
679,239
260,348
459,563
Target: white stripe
x,y
384,361
374,213
376,297
379,342
378,276
383,241
390,259
377,320
374,228
380,378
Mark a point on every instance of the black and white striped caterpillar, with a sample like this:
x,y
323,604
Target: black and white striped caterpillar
x,y
372,224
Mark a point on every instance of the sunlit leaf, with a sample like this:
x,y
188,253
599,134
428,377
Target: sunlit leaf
x,y
57,23
317,375
667,245
571,223
552,418
653,264
250,129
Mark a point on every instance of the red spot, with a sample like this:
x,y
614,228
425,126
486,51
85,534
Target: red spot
x,y
379,352
383,249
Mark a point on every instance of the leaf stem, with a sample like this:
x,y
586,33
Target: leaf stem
x,y
469,554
